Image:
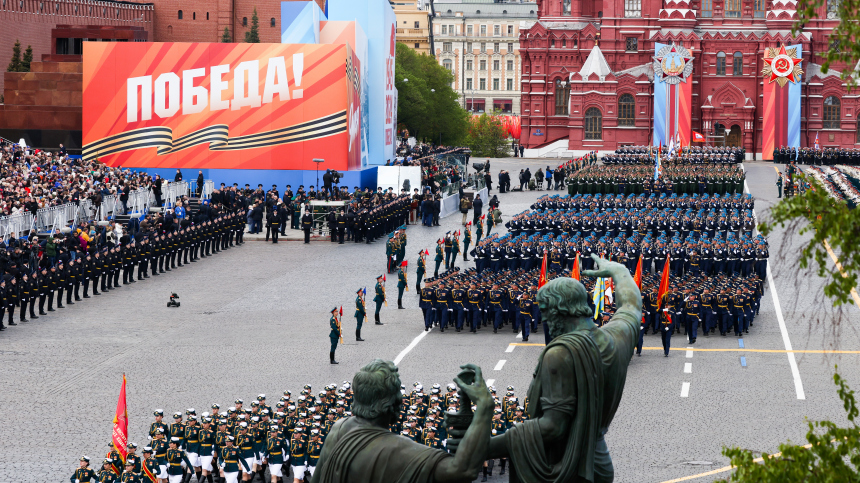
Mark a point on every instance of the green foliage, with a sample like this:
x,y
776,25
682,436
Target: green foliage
x,y
427,105
844,40
27,59
225,37
815,212
487,137
253,36
15,64
832,455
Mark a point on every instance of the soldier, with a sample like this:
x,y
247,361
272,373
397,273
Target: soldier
x,y
458,297
175,458
298,456
276,448
439,258
129,476
467,240
308,223
419,274
402,285
84,474
379,298
230,461
779,184
666,325
315,446
334,335
360,313
106,474
692,310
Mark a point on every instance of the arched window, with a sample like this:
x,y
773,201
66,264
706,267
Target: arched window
x,y
738,64
244,21
593,123
448,64
180,15
721,63
832,112
272,22
626,110
562,97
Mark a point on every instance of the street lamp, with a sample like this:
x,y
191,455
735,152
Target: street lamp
x,y
318,161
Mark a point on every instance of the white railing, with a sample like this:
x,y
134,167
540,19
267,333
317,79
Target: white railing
x,y
20,224
56,217
208,189
173,191
139,201
108,208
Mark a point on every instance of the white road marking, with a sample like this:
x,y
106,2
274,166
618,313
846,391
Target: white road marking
x,y
689,354
490,382
792,361
411,346
688,368
510,348
685,389
519,335
500,365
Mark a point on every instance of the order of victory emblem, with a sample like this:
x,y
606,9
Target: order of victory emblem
x,y
673,64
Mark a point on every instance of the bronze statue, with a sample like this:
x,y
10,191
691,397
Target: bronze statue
x,y
361,449
577,384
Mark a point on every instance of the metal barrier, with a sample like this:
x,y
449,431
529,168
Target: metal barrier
x,y
208,188
50,220
139,201
86,212
19,223
107,210
172,192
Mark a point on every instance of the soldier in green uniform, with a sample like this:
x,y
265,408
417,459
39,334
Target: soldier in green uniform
x,y
439,257
129,476
229,460
175,458
153,428
379,298
479,230
467,240
334,335
84,474
360,313
298,455
115,458
106,474
779,184
132,457
419,274
315,446
402,285
148,467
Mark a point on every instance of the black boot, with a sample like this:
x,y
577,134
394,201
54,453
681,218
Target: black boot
x,y
400,304
331,358
358,335
377,319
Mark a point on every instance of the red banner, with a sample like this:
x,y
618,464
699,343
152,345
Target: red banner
x,y
221,106
120,424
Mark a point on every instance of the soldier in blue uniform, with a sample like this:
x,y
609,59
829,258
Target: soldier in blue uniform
x,y
458,297
379,298
495,306
428,295
334,335
360,313
692,312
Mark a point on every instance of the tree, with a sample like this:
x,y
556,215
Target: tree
x,y
825,459
225,37
487,137
427,105
832,224
15,64
843,40
253,36
28,58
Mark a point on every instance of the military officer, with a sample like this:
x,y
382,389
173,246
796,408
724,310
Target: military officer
x,y
379,298
419,273
84,474
360,313
334,335
439,257
402,285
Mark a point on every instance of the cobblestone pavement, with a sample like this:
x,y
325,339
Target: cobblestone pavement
x,y
254,319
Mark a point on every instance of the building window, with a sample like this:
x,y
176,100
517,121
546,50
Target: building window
x,y
468,30
593,123
510,65
832,113
632,44
510,86
721,63
483,47
510,29
483,64
505,106
417,45
707,8
495,84
562,97
632,8
483,30
207,16
626,110
497,29
469,47
759,8
193,15
733,8
563,43
496,65
469,83
833,8
446,47
444,30
417,25
497,47
244,21
469,64
447,63
738,64
510,48
180,15
552,43
482,84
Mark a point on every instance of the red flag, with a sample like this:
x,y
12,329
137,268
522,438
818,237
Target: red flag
x,y
542,280
637,275
575,272
698,138
383,277
120,424
426,252
341,310
664,283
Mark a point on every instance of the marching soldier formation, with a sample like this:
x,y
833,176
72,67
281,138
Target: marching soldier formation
x,y
244,443
713,179
817,157
150,250
689,155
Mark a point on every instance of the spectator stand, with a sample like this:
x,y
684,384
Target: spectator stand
x,y
19,224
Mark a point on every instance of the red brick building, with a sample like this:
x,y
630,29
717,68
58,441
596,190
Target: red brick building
x,y
587,71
